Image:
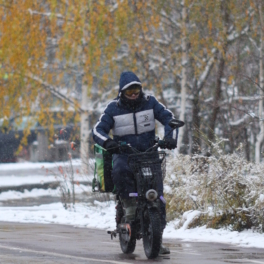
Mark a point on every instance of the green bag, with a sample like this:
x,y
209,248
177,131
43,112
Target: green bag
x,y
102,181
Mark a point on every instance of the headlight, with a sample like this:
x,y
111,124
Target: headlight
x,y
151,195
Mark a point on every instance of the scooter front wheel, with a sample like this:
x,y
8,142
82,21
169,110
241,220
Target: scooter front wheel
x,y
152,233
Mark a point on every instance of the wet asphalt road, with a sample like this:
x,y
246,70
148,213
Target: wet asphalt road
x,y
38,243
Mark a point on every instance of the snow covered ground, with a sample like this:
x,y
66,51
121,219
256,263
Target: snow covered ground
x,y
99,214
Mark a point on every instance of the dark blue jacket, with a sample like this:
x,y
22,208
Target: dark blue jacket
x,y
136,127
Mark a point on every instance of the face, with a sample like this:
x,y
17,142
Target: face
x,y
132,93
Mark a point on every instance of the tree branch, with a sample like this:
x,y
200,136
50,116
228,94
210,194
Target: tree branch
x,y
250,79
55,92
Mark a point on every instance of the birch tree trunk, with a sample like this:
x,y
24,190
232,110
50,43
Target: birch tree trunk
x,y
84,142
184,73
260,136
196,142
217,96
220,73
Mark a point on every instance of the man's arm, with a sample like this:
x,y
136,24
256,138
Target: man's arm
x,y
164,115
103,127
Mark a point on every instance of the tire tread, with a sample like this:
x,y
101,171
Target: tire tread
x,y
152,251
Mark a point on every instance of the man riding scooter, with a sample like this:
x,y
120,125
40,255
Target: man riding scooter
x,y
131,117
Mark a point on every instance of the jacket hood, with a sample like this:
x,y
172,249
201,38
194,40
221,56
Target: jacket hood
x,y
127,79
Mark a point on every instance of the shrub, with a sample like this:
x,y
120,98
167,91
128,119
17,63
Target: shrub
x,y
226,189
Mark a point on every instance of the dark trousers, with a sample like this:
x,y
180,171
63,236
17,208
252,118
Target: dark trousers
x,y
124,182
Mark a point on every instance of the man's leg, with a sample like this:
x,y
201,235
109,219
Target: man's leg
x,y
119,212
124,181
122,176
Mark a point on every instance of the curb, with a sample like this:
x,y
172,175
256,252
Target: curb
x,y
29,187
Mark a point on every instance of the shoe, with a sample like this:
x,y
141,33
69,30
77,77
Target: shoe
x,y
164,250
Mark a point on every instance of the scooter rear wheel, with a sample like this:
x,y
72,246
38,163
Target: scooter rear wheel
x,y
128,240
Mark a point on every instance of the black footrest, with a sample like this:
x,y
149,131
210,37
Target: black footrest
x,y
112,233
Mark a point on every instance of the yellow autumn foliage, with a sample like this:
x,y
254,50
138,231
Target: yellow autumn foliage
x,y
41,41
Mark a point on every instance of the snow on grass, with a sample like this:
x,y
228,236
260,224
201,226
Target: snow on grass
x,y
246,238
96,216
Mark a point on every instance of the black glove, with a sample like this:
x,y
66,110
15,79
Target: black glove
x,y
170,143
111,146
